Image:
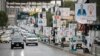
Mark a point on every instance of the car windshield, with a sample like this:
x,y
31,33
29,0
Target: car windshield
x,y
32,36
17,39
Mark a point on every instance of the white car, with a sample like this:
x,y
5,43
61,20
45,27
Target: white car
x,y
8,31
5,38
1,31
32,39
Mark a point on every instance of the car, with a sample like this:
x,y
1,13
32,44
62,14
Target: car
x,y
10,26
97,40
44,38
17,42
5,38
8,31
32,39
1,31
25,35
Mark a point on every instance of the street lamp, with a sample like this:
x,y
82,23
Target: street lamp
x,y
62,4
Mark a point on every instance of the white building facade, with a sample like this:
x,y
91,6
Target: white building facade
x,y
3,5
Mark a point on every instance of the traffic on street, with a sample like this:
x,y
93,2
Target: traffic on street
x,y
32,50
49,28
20,44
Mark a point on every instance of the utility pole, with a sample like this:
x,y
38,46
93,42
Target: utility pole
x,y
62,3
55,2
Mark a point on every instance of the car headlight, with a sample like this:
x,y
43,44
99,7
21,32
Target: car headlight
x,y
12,43
22,43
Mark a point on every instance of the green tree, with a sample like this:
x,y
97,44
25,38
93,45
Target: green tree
x,y
3,19
98,10
69,4
35,15
49,18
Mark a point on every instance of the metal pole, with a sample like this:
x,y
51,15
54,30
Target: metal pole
x,y
55,2
62,4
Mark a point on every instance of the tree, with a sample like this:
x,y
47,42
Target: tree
x,y
35,14
69,4
3,19
49,18
98,10
29,0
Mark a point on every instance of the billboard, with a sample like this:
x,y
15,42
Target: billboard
x,y
44,15
63,23
85,12
56,21
32,20
42,22
46,31
72,28
65,12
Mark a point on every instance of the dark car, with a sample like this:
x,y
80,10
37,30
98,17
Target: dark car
x,y
17,42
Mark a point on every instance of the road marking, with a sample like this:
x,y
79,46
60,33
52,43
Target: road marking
x,y
12,53
22,53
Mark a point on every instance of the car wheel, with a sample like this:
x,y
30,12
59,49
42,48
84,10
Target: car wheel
x,y
23,47
36,44
26,44
7,41
0,41
11,47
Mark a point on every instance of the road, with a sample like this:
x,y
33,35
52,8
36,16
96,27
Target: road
x,y
41,50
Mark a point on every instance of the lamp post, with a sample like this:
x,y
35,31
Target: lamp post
x,y
62,3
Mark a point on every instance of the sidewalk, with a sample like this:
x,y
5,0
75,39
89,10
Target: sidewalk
x,y
66,49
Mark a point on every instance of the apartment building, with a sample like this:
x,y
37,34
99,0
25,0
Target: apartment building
x,y
3,5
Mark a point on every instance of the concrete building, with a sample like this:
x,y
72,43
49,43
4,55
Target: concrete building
x,y
14,7
3,5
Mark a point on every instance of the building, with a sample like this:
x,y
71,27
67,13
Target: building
x,y
15,6
70,0
3,5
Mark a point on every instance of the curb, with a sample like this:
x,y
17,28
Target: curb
x,y
75,53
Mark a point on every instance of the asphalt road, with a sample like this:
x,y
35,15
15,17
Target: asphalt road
x,y
40,50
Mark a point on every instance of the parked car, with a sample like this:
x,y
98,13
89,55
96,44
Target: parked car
x,y
8,31
5,38
97,40
17,42
1,31
31,39
25,35
44,38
